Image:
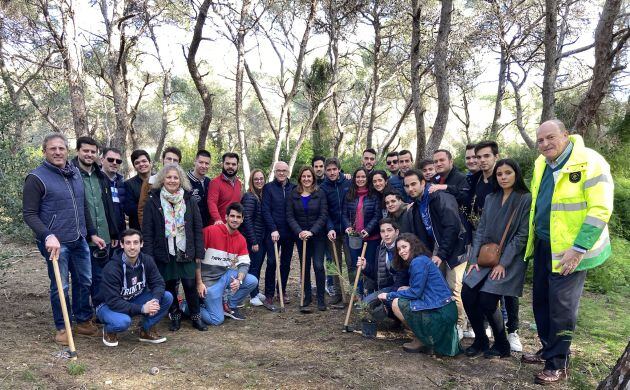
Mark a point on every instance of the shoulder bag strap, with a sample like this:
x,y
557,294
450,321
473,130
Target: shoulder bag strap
x,y
505,232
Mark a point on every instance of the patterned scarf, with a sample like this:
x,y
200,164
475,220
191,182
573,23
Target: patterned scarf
x,y
174,209
424,211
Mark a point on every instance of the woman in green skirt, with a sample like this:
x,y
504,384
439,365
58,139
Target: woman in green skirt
x,y
427,306
172,235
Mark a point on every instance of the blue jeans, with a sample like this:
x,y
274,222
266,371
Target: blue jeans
x,y
119,322
256,261
74,259
212,311
351,262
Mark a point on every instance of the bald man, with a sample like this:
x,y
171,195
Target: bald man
x,y
274,198
572,187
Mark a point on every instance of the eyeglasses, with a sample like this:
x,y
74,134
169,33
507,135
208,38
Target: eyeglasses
x,y
391,162
260,179
111,160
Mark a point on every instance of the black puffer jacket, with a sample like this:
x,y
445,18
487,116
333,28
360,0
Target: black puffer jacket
x,y
313,219
253,226
153,229
371,213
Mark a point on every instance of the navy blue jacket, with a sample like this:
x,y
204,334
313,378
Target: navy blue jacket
x,y
200,189
398,183
372,213
274,210
313,219
447,227
427,287
119,207
122,282
253,226
54,203
335,195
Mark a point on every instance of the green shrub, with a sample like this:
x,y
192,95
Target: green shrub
x,y
614,274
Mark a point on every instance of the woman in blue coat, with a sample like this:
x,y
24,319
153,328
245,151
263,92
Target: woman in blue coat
x,y
307,213
427,306
360,217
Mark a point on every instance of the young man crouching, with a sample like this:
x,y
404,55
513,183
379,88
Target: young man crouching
x,y
132,285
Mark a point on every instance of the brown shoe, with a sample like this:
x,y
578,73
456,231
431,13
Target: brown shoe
x,y
150,336
532,358
87,328
61,337
110,339
415,346
547,377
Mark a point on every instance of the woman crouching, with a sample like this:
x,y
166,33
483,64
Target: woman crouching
x,y
427,306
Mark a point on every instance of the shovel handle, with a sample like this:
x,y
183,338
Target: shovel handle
x,y
334,247
303,272
278,274
64,309
356,284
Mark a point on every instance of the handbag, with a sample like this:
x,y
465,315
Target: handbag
x,y
490,253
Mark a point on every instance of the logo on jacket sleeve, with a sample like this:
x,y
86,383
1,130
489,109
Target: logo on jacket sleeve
x,y
574,177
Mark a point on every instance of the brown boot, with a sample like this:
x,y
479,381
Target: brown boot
x,y
548,377
61,337
414,346
87,328
150,336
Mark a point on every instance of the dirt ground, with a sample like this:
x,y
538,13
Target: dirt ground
x,y
287,350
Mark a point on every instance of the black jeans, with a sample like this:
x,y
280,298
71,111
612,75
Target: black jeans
x,y
256,262
285,249
480,305
555,301
315,250
190,291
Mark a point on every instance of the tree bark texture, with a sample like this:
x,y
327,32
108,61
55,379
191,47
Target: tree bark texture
x,y
418,108
238,94
619,377
550,72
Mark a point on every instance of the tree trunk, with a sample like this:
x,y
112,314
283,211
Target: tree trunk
x,y
619,377
498,104
376,65
18,116
550,72
605,55
206,97
516,86
238,107
440,66
166,101
418,109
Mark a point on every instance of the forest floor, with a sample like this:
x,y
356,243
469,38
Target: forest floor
x,y
271,350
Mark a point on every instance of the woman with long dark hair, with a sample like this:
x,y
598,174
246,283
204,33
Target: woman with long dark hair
x,y
172,226
307,212
380,182
508,204
360,216
253,228
427,306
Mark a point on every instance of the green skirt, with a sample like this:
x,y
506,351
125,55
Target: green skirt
x,y
175,271
435,328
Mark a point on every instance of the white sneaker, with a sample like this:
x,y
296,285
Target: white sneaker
x,y
488,332
261,296
460,332
469,333
255,301
515,342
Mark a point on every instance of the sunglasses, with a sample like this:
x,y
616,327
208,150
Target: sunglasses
x,y
111,160
390,162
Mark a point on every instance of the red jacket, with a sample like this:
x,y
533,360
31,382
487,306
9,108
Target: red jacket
x,y
221,194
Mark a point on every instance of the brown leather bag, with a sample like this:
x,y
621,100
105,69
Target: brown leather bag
x,y
490,253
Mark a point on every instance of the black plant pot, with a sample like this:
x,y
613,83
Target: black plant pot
x,y
368,328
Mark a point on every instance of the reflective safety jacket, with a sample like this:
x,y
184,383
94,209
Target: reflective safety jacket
x,y
581,206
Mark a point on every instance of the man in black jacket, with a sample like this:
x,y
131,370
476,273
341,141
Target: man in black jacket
x,y
201,183
141,162
448,178
434,218
132,285
101,208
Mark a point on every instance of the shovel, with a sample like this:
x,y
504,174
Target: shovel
x,y
346,327
72,353
304,309
279,277
343,294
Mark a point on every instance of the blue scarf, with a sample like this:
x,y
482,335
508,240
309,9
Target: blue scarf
x,y
424,210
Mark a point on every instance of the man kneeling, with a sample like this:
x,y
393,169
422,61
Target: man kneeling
x,y
132,285
225,263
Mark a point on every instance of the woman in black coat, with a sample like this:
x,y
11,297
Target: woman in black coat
x,y
171,227
253,228
307,212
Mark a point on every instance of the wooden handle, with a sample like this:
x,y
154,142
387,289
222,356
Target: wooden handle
x,y
343,295
356,283
303,272
278,274
64,309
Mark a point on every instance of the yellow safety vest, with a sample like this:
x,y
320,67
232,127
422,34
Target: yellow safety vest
x,y
581,206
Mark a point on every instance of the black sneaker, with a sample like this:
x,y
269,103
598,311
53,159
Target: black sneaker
x,y
235,314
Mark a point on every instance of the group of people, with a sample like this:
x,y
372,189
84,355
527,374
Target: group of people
x,y
444,252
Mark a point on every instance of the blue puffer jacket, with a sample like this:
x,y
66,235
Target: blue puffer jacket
x,y
253,226
371,213
274,200
335,194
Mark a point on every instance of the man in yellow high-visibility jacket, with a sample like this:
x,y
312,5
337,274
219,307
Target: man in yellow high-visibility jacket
x,y
572,200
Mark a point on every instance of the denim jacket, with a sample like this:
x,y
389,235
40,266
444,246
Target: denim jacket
x,y
427,287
